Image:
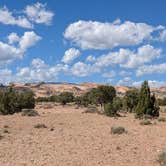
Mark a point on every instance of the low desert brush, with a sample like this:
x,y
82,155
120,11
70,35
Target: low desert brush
x,y
162,158
145,122
162,119
40,125
118,130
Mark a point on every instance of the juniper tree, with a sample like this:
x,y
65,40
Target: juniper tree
x,y
146,103
130,100
103,94
66,97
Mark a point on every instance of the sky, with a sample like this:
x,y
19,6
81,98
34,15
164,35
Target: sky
x,y
115,42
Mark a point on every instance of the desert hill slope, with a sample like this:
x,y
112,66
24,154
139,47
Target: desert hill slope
x,y
48,89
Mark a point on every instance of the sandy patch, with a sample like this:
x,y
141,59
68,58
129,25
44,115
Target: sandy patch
x,y
76,139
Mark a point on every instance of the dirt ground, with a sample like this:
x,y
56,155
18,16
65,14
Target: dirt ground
x,y
73,138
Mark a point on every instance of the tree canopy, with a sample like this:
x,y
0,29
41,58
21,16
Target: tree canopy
x,y
146,102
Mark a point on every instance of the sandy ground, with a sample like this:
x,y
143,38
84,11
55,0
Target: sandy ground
x,y
73,138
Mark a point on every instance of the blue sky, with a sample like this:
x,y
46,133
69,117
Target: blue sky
x,y
109,41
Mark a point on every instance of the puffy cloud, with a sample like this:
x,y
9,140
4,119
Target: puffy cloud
x,y
144,54
39,14
129,59
152,83
98,35
155,83
127,81
91,58
35,13
13,38
40,71
124,58
28,40
124,73
152,69
17,46
38,63
112,58
70,55
162,36
81,69
109,74
8,53
6,17
5,76
24,73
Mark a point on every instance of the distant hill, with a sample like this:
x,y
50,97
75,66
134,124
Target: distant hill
x,y
53,88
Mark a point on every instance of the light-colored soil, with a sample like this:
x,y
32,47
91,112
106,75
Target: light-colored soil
x,y
73,138
45,90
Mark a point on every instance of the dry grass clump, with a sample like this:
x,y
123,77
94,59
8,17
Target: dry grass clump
x,y
162,158
118,130
40,125
6,131
6,126
1,137
162,119
48,106
29,112
91,109
163,110
145,122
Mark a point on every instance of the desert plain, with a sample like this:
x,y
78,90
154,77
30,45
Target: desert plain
x,y
74,138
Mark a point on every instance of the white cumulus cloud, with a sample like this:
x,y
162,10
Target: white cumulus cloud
x,y
129,59
7,17
40,71
5,76
70,55
152,69
17,46
81,69
36,13
28,40
127,81
39,14
98,35
13,38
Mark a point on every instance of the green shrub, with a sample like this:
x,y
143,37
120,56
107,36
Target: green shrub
x,y
40,125
109,110
112,109
130,100
29,112
53,98
12,101
27,100
9,101
65,97
162,158
83,100
118,130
